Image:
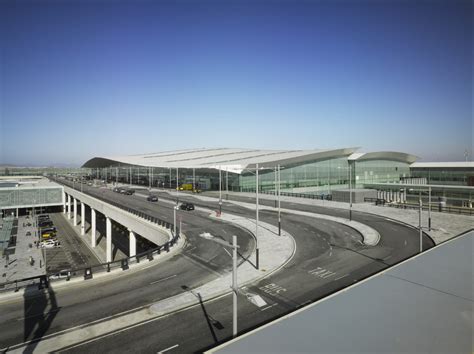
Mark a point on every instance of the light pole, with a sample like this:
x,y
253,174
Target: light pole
x,y
350,191
234,286
419,223
220,191
175,209
279,201
226,183
275,189
177,186
256,217
130,176
429,208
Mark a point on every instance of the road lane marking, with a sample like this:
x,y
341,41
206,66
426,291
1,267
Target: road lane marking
x,y
341,277
321,273
268,307
160,280
167,349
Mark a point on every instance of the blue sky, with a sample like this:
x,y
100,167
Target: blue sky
x,y
89,78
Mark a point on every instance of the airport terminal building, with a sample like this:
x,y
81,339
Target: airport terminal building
x,y
301,171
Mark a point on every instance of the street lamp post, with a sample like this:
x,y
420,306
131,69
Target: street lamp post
x,y
220,190
279,201
419,222
429,208
256,217
350,191
234,286
275,189
226,183
175,209
177,185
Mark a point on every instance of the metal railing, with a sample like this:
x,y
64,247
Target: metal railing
x,y
297,195
441,209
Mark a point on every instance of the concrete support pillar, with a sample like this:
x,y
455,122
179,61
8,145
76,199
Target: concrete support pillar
x,y
108,239
68,206
133,244
75,212
83,219
93,228
64,202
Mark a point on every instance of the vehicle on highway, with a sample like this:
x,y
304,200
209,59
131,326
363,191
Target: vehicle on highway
x,y
187,206
61,275
152,198
128,191
116,190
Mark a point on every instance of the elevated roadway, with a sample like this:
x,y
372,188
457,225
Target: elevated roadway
x,y
328,257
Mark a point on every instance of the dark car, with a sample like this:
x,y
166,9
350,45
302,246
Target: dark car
x,y
187,206
48,223
152,198
129,192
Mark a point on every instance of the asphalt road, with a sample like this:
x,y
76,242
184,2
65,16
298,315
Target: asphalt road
x,y
329,256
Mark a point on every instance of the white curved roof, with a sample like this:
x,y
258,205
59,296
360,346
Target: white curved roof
x,y
383,155
230,159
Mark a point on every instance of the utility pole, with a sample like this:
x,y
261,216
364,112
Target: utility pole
x,y
177,186
419,223
234,285
279,201
220,191
429,208
256,217
350,191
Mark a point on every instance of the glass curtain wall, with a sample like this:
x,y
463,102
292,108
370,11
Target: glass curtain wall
x,y
312,178
379,171
460,177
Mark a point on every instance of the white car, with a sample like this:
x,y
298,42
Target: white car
x,y
49,244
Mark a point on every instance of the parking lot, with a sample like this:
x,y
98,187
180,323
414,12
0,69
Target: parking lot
x,y
71,253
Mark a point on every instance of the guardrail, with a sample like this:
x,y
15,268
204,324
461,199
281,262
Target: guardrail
x,y
442,209
297,195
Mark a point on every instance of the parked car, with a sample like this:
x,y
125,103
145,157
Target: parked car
x,y
46,224
187,206
116,189
50,244
152,198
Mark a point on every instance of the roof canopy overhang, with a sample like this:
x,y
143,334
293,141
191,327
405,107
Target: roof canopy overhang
x,y
232,160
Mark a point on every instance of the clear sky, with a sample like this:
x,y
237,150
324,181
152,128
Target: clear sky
x,y
91,78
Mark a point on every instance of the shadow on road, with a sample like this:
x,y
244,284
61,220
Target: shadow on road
x,y
40,310
211,322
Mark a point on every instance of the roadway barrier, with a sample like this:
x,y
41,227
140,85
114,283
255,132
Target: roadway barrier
x,y
416,206
296,195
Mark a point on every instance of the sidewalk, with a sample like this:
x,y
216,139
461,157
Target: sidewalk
x,y
19,266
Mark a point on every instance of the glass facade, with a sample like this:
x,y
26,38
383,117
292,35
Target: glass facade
x,y
312,178
379,171
318,177
447,176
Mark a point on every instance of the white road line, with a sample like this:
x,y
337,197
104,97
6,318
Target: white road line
x,y
266,308
167,349
341,277
160,280
405,242
149,266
